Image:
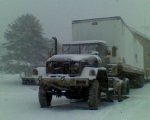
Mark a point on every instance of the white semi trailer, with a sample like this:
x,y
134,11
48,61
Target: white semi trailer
x,y
126,51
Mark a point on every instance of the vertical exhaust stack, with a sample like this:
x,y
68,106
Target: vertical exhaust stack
x,y
55,45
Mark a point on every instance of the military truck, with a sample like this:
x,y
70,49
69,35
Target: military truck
x,y
76,77
121,66
85,73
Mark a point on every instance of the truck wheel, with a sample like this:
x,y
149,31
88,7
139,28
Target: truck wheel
x,y
126,88
23,82
44,98
119,93
94,96
85,98
141,81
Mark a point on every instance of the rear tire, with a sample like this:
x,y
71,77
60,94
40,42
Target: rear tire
x,y
126,87
94,95
44,98
140,82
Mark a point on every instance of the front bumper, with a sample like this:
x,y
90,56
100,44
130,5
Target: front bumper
x,y
63,84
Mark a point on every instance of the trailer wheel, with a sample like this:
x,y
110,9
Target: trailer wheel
x,y
44,98
119,94
126,87
85,99
23,82
94,95
141,82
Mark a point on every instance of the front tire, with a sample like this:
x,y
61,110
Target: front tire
x,y
94,95
44,98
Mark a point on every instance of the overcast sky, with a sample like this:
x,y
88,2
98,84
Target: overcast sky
x,y
56,15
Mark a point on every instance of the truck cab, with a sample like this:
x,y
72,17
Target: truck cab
x,y
73,76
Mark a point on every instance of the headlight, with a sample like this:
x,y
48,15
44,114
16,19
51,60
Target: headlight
x,y
92,73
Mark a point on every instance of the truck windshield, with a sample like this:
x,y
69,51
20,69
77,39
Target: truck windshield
x,y
84,48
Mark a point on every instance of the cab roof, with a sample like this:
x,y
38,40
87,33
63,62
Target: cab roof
x,y
86,42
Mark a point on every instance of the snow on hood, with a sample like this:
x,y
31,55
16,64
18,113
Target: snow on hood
x,y
72,57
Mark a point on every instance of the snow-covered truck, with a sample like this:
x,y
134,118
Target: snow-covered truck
x,y
82,72
79,76
119,65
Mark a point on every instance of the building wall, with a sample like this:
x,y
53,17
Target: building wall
x,y
146,46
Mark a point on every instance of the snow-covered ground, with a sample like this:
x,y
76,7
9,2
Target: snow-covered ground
x,y
18,102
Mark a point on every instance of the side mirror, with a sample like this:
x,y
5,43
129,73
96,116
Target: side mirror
x,y
95,53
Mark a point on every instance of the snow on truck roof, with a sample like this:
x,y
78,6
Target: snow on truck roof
x,y
113,18
97,19
72,57
86,42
